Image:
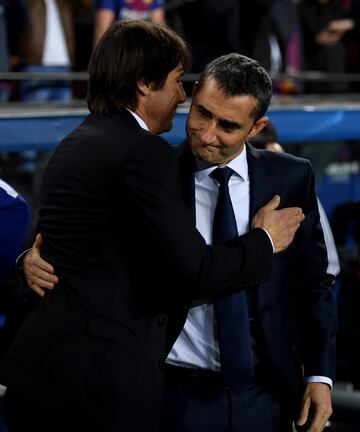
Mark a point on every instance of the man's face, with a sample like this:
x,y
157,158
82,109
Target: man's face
x,y
162,103
218,126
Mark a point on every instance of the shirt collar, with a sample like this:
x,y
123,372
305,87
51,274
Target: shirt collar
x,y
238,164
141,122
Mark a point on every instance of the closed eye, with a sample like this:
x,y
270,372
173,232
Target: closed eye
x,y
229,126
204,112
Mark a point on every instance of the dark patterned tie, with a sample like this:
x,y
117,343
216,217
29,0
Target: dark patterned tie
x,y
232,310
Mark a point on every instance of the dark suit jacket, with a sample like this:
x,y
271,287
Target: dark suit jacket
x,y
126,251
294,311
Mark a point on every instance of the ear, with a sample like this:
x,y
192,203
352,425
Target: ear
x,y
258,126
144,88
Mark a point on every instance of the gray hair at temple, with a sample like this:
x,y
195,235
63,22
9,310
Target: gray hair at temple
x,y
238,75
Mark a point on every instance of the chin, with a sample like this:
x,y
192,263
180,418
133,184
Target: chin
x,y
206,157
210,155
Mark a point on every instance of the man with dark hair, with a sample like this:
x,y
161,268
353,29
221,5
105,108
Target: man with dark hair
x,y
291,317
89,355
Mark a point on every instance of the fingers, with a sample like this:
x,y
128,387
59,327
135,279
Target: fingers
x,y
37,289
38,241
304,413
294,224
318,423
33,264
293,216
320,417
41,267
38,284
272,204
286,238
316,405
280,224
33,260
297,218
290,212
288,232
39,273
42,278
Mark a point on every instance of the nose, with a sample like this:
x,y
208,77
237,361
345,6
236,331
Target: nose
x,y
208,133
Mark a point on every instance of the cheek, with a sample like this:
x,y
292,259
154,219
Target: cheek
x,y
232,150
195,145
195,121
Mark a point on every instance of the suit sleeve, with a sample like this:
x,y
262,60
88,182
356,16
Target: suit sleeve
x,y
169,234
317,308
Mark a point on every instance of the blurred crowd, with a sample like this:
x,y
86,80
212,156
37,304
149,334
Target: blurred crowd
x,y
285,36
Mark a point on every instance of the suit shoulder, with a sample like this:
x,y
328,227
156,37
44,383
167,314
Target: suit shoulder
x,y
286,160
119,133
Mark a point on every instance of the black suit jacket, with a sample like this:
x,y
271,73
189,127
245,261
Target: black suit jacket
x,y
126,251
294,312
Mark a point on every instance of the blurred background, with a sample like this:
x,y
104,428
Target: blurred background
x,y
310,47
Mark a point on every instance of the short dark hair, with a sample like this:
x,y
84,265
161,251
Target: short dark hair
x,y
237,75
127,53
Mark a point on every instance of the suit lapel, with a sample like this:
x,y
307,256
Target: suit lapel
x,y
264,182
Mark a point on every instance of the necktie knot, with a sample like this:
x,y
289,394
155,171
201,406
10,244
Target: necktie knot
x,y
222,175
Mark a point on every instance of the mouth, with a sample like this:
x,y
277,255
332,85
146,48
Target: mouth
x,y
212,147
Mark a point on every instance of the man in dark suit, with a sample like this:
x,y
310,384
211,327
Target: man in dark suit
x,y
292,317
90,354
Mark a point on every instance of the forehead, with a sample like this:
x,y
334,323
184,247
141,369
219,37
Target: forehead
x,y
236,108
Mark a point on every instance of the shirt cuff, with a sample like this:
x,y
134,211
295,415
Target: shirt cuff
x,y
272,243
319,379
19,265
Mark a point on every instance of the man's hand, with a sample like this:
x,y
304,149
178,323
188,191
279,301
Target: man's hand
x,y
280,224
316,407
39,273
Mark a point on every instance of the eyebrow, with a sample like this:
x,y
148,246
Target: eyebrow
x,y
223,122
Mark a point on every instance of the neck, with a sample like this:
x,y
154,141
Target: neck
x,y
142,111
